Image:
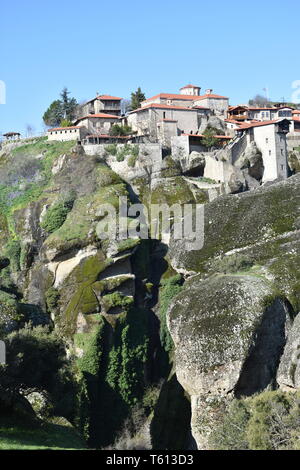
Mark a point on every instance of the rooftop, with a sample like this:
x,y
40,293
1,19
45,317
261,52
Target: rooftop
x,y
172,96
63,128
211,95
189,86
260,124
166,106
108,97
99,116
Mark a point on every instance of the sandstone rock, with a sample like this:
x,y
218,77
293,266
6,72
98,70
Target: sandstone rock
x,y
251,159
229,333
288,376
294,161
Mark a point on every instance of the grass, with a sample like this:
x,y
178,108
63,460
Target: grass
x,y
15,435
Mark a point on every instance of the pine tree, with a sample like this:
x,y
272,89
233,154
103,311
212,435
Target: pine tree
x,y
136,99
61,110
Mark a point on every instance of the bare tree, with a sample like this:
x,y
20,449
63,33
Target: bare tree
x,y
30,130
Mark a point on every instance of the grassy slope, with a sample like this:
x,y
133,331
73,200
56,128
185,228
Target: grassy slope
x,y
14,435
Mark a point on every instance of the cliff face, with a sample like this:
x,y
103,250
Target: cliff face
x,y
231,321
102,304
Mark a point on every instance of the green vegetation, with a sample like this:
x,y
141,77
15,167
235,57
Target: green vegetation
x,y
61,111
17,434
128,150
13,252
35,357
18,188
136,98
170,287
268,421
118,130
52,297
57,214
231,264
111,149
209,140
116,300
132,161
112,374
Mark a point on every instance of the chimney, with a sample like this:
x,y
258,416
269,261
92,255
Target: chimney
x,y
208,91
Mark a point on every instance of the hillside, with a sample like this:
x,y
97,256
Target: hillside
x,y
140,343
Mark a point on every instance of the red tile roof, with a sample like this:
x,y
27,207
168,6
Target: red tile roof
x,y
253,108
189,86
228,137
296,111
200,107
108,136
99,116
172,96
232,121
165,106
64,128
258,124
239,106
211,95
108,97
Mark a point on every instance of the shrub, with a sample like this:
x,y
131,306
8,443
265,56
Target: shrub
x,y
52,298
34,358
169,288
117,130
116,300
267,421
57,214
111,149
13,252
232,264
132,160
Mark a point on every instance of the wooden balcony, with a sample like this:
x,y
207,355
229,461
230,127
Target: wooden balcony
x,y
238,117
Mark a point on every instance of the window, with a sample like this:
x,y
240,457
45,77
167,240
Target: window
x,y
281,151
164,115
282,167
267,140
270,152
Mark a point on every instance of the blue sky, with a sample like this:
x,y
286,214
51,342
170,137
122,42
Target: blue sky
x,y
112,47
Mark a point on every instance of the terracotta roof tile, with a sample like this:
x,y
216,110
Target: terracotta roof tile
x,y
100,116
64,128
189,86
165,106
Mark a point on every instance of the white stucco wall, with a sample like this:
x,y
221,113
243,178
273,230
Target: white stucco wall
x,y
65,134
274,151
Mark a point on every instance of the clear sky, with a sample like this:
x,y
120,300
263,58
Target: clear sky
x,y
235,47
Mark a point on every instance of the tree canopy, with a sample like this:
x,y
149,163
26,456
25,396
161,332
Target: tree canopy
x,y
61,110
259,100
209,140
136,98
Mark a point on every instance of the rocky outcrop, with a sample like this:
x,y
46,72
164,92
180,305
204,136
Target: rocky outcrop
x,y
288,376
229,333
294,161
251,159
